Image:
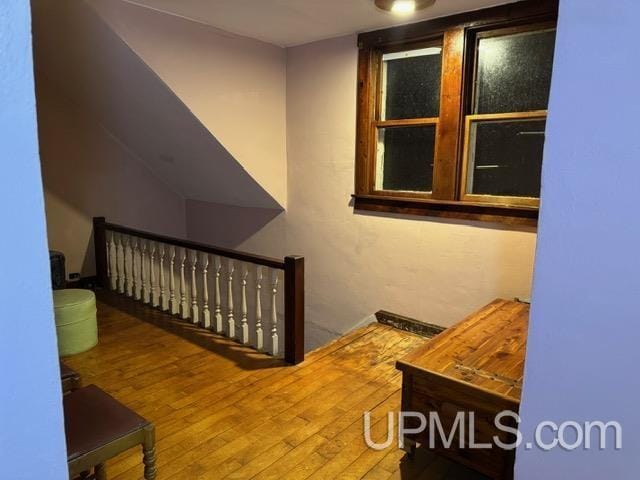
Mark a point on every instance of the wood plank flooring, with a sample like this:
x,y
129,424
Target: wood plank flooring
x,y
227,412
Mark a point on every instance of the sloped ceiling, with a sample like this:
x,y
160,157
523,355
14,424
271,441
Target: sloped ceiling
x,y
204,109
293,22
83,55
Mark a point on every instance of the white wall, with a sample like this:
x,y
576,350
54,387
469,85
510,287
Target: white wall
x,y
583,350
31,426
434,270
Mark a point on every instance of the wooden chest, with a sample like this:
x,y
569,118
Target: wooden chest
x,y
475,367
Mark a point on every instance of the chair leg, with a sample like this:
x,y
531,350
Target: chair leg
x,y
149,453
409,446
100,472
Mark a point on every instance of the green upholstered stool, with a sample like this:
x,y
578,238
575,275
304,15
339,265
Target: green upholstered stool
x,y
76,324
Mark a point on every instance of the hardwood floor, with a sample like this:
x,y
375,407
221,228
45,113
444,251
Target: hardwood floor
x,y
229,412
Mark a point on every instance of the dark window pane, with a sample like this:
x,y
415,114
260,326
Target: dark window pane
x,y
406,158
514,72
506,158
412,84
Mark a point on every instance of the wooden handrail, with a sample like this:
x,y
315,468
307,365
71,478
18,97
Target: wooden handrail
x,y
202,247
293,267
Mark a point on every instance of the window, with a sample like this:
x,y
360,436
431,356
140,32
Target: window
x,y
410,106
505,132
452,114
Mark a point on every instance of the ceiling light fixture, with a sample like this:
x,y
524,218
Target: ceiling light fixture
x,y
403,7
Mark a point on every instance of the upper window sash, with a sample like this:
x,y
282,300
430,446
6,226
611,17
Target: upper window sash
x,y
397,120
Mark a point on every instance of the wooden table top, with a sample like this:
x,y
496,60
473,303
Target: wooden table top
x,y
486,350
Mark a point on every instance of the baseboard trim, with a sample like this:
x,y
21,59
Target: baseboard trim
x,y
87,283
407,324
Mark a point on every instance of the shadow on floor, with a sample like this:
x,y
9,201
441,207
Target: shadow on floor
x,y
244,357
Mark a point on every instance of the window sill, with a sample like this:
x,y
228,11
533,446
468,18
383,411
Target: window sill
x,y
482,212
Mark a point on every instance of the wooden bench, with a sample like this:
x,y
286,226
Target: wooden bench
x,y
476,366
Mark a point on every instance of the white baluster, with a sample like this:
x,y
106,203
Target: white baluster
x,y
274,314
259,333
128,267
184,307
120,263
206,314
146,297
163,286
173,303
231,323
136,269
108,250
218,297
112,257
195,311
244,325
154,287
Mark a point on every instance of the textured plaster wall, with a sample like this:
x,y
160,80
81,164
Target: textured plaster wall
x,y
148,111
234,85
434,270
32,443
87,172
131,105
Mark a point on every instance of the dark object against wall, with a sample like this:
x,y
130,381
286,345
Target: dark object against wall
x,y
407,324
58,274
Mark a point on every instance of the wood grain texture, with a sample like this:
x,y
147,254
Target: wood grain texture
x,y
368,65
200,247
407,122
493,199
445,167
492,340
503,214
294,309
458,35
476,366
232,413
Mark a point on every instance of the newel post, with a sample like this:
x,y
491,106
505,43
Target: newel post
x,y
100,245
294,309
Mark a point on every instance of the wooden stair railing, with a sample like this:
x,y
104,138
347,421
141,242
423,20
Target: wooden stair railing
x,y
231,293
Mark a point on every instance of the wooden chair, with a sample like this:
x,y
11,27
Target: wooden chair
x,y
70,379
98,428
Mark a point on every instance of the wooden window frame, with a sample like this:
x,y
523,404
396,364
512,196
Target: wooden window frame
x,y
459,34
464,174
412,122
